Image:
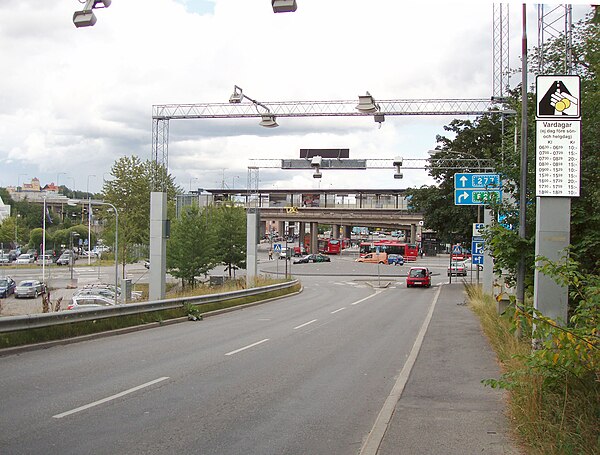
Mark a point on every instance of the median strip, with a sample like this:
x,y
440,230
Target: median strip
x,y
112,397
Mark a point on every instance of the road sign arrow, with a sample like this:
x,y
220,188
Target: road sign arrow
x,y
463,180
465,196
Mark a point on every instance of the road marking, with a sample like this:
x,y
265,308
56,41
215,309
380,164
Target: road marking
x,y
305,324
112,397
338,310
366,298
373,441
248,347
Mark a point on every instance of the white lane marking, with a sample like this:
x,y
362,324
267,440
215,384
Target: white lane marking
x,y
305,324
373,441
247,347
338,310
366,298
112,397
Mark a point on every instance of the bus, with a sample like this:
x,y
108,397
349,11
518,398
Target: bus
x,y
330,246
409,251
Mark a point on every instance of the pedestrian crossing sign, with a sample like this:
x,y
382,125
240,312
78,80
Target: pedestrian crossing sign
x,y
277,247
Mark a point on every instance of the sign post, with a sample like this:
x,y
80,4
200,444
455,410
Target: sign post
x,y
558,138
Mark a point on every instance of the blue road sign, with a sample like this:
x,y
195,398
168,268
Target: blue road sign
x,y
476,181
477,247
277,247
476,197
477,259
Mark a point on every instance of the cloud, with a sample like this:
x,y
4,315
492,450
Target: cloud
x,y
75,100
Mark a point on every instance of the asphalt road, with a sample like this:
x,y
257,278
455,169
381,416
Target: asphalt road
x,y
303,375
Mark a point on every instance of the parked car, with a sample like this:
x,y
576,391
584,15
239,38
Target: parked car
x,y
7,286
4,259
395,259
82,302
14,254
65,258
418,276
33,252
25,259
45,259
312,258
146,263
30,288
470,266
457,268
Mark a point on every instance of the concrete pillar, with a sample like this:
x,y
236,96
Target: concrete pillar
x,y
281,228
552,236
301,231
158,245
252,221
335,231
413,233
347,231
314,237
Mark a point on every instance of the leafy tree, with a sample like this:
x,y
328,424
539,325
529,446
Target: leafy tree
x,y
191,248
230,224
129,191
7,231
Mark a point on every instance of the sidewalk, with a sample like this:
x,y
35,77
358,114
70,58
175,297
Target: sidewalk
x,y
444,408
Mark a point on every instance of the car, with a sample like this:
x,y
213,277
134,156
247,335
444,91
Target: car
x,y
146,263
313,258
33,252
457,268
82,302
65,258
395,259
7,286
92,254
376,258
45,259
25,259
30,288
4,259
418,276
13,255
470,266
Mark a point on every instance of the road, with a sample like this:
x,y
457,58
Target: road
x,y
307,374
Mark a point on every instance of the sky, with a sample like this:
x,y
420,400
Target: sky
x,y
73,101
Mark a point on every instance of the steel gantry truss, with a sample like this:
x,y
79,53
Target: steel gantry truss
x,y
162,114
556,22
501,51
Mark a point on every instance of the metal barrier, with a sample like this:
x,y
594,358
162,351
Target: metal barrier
x,y
32,321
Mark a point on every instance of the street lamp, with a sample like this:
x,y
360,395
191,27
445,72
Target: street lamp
x,y
72,255
58,177
89,219
86,17
267,117
74,202
284,6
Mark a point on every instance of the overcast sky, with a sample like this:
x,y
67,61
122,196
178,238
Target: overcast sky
x,y
72,101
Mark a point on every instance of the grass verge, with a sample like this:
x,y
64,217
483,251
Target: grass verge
x,y
548,419
74,329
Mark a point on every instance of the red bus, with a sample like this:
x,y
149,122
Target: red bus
x,y
408,250
330,246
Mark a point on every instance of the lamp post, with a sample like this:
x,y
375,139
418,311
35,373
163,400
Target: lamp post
x,y
72,258
73,202
89,219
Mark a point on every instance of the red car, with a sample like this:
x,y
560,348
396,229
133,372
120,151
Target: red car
x,y
418,276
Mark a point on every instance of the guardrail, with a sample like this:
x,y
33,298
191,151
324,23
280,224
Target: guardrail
x,y
32,321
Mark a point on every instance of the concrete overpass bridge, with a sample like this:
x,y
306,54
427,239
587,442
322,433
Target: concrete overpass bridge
x,y
341,208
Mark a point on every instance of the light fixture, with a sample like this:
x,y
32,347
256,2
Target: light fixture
x,y
398,165
86,17
366,103
268,121
317,174
284,6
237,96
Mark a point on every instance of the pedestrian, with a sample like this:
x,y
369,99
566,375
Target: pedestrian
x,y
270,254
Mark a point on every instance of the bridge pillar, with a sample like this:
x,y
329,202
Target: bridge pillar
x,y
301,231
314,238
413,233
281,228
347,232
335,231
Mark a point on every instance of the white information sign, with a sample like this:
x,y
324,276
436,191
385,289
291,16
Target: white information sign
x,y
558,158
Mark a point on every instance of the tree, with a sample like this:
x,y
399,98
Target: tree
x,y
191,248
230,225
129,191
